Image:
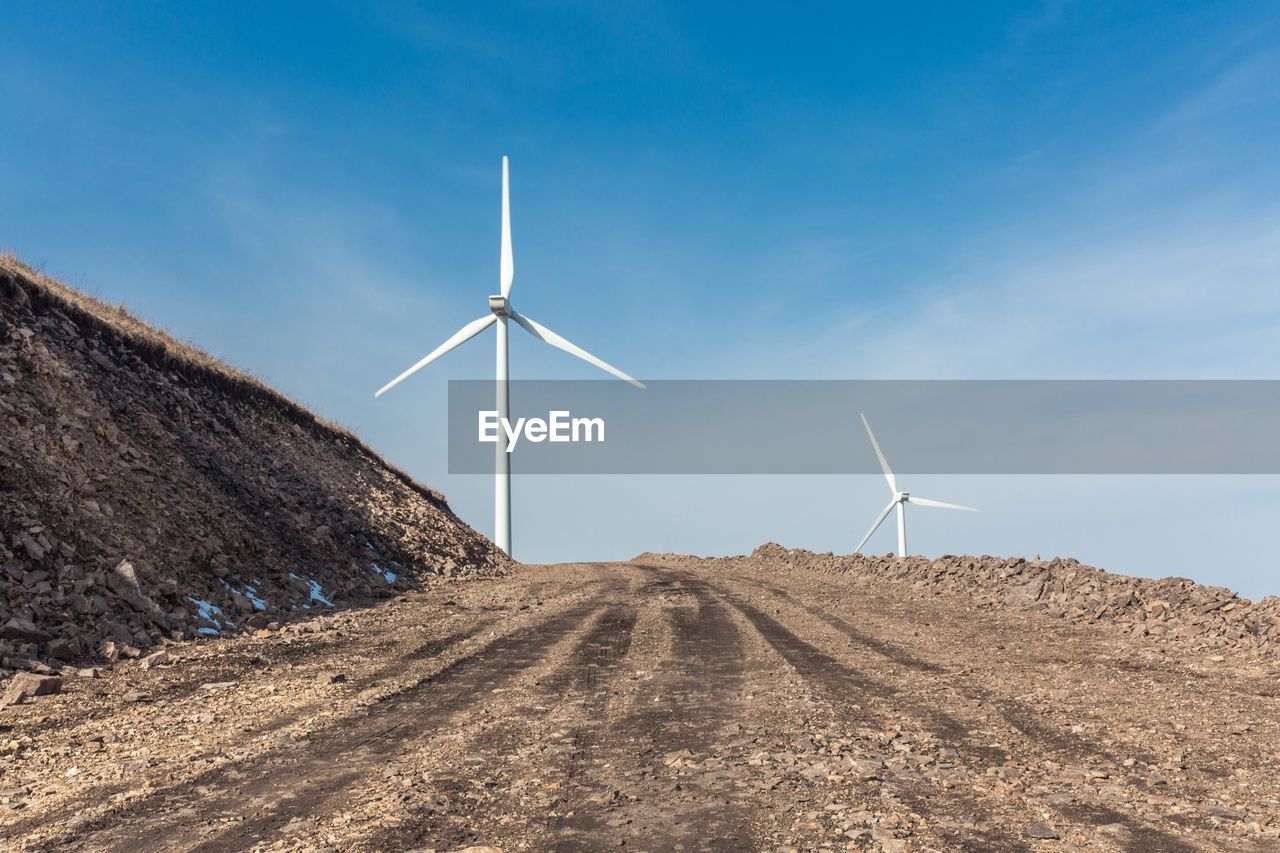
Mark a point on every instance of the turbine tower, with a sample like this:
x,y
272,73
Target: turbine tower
x,y
500,311
900,500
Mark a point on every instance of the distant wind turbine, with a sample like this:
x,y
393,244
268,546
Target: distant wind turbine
x,y
900,500
500,311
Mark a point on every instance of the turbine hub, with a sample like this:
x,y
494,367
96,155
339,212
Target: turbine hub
x,y
500,305
902,496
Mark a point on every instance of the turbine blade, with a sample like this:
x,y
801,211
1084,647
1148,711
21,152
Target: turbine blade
x,y
876,526
884,466
463,335
912,499
507,273
542,333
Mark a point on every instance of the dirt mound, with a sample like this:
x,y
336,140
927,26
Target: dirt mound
x,y
149,492
1170,609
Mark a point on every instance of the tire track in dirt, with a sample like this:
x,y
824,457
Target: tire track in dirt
x,y
228,667
948,727
297,777
697,693
301,651
1020,717
103,793
1016,713
841,684
468,682
589,680
837,679
428,649
582,681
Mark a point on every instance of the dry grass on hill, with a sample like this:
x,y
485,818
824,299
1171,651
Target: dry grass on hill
x,y
149,492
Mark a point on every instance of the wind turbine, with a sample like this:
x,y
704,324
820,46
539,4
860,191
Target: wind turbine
x,y
900,500
500,311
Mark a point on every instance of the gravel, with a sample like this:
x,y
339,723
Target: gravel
x,y
1171,610
150,494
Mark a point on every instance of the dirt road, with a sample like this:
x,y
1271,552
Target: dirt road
x,y
634,707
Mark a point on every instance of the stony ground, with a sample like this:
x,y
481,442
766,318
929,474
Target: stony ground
x,y
150,493
655,707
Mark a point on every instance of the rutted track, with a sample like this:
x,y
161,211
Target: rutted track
x,y
687,705
299,779
579,682
650,708
1015,714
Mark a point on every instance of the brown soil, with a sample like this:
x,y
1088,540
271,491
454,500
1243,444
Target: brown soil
x,y
139,477
1169,612
686,705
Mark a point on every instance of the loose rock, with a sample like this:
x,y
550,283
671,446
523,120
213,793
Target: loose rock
x,y
25,685
1041,830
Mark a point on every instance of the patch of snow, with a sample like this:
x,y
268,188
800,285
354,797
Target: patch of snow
x,y
387,575
251,593
317,592
210,613
206,611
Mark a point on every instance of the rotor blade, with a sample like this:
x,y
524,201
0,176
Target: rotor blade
x,y
876,526
543,333
463,335
507,272
912,499
888,475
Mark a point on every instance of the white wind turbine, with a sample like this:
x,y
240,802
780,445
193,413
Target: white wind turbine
x,y
900,500
500,311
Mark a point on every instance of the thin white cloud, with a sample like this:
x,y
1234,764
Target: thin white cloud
x,y
1245,84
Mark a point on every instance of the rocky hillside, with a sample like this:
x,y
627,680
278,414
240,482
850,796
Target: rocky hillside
x,y
150,493
1173,610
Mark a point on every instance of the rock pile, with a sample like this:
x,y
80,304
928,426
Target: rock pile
x,y
1172,609
149,493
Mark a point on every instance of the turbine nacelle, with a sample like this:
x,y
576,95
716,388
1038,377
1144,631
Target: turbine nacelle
x,y
500,305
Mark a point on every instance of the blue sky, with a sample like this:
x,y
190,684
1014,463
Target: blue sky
x,y
1080,190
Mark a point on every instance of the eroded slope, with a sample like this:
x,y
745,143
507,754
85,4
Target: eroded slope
x,y
149,492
